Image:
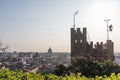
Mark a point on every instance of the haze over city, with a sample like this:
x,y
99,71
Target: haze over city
x,y
36,25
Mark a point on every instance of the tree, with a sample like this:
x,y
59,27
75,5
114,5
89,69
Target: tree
x,y
61,70
88,67
3,48
91,67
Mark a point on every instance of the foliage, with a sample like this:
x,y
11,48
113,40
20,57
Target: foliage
x,y
61,70
89,67
6,74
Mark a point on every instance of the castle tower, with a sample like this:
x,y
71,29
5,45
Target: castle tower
x,y
110,50
78,42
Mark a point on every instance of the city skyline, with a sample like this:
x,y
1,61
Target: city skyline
x,y
28,25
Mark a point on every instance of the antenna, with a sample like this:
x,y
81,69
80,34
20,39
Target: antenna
x,y
107,28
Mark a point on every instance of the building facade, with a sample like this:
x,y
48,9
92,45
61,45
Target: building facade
x,y
81,47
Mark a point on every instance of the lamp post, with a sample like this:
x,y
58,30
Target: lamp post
x,y
107,28
74,18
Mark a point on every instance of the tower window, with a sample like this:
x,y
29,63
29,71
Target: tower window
x,y
75,41
80,41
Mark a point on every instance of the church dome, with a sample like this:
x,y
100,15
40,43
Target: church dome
x,y
49,50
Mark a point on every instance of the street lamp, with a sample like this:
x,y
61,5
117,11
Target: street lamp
x,y
74,18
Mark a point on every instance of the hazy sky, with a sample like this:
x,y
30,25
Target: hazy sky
x,y
34,25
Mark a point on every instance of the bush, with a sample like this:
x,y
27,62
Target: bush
x,y
88,67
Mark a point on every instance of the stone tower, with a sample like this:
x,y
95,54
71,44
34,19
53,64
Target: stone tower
x,y
78,42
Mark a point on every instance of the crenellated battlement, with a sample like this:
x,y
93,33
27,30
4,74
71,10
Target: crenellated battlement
x,y
80,46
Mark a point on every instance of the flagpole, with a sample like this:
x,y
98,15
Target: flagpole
x,y
107,28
